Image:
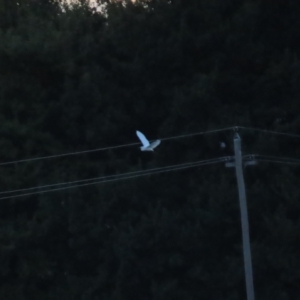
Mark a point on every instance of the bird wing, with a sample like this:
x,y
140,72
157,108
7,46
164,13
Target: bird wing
x,y
143,139
155,144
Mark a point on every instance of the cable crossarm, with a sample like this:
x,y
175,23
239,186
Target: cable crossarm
x,y
274,159
111,178
112,147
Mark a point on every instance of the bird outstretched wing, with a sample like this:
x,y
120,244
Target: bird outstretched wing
x,y
143,139
155,144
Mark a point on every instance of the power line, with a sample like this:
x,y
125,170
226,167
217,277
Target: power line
x,y
118,177
281,160
137,143
268,131
106,177
198,133
275,159
141,173
113,147
66,154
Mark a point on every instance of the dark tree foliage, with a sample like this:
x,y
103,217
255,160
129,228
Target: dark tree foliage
x,y
74,78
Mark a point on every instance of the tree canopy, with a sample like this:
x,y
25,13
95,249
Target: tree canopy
x,y
75,78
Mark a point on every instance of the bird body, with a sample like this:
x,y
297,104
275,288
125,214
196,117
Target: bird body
x,y
147,146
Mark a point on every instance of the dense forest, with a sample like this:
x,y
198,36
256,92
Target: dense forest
x,y
75,78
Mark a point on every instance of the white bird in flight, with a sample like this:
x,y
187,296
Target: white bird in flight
x,y
147,146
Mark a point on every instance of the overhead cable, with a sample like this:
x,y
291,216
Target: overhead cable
x,y
111,178
274,159
268,131
137,143
112,147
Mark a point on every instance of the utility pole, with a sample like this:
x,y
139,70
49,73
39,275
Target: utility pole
x,y
238,164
